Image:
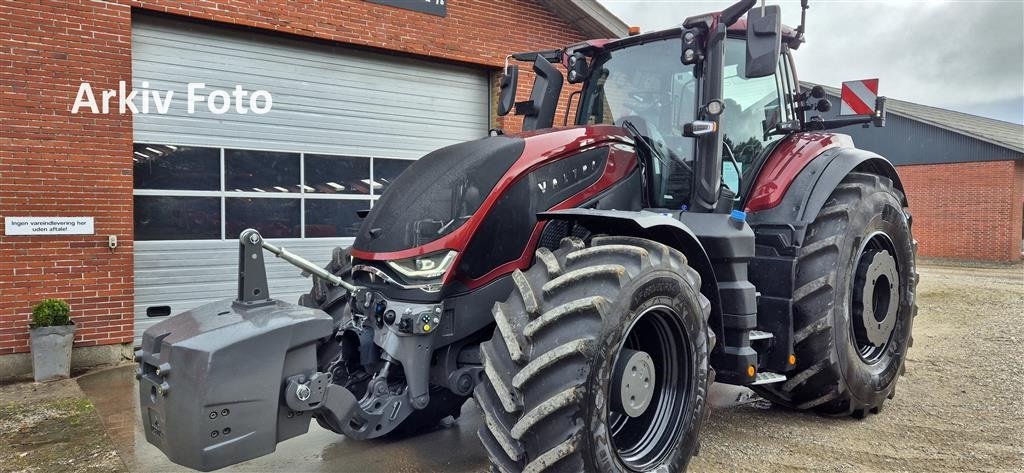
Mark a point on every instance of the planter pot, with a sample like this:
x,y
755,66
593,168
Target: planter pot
x,y
51,351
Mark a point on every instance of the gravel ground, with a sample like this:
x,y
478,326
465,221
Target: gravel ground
x,y
958,407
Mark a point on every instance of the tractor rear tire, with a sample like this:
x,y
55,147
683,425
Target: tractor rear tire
x,y
851,320
554,394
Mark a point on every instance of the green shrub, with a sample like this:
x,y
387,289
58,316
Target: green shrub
x,y
50,312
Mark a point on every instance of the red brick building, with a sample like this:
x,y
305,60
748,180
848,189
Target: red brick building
x,y
359,87
964,176
417,74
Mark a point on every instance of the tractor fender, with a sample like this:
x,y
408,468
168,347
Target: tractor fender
x,y
659,227
810,190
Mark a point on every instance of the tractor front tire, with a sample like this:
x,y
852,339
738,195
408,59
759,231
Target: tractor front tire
x,y
854,302
599,361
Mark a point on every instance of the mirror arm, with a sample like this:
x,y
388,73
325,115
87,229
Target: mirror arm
x,y
877,119
799,39
733,12
820,124
551,55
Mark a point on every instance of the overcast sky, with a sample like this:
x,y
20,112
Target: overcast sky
x,y
962,55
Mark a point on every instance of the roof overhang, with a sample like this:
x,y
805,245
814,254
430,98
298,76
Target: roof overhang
x,y
588,16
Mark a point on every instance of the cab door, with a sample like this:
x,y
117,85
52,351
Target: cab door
x,y
753,108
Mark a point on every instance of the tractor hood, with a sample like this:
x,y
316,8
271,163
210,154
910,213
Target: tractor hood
x,y
437,194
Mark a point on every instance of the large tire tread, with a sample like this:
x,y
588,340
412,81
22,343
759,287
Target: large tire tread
x,y
535,366
818,383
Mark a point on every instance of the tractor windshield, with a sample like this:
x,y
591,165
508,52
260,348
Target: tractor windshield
x,y
649,87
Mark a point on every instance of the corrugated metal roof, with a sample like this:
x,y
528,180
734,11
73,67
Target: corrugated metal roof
x,y
590,17
1005,134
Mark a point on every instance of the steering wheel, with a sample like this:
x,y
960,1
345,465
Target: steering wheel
x,y
647,99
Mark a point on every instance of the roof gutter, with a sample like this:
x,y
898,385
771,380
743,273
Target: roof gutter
x,y
589,17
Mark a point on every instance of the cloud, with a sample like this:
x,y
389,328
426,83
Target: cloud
x,y
962,55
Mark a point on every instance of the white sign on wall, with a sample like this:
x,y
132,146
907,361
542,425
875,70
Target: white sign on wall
x,y
48,226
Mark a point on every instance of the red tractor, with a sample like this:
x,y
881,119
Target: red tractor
x,y
585,284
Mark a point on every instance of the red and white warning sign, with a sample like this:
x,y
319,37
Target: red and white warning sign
x,y
859,97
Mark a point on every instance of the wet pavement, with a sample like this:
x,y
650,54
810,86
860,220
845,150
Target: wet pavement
x,y
454,448
958,408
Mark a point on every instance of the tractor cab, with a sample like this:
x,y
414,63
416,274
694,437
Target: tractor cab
x,y
672,90
707,121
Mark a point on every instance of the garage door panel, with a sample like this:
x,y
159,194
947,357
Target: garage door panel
x,y
316,77
321,87
163,77
353,129
263,53
327,99
404,107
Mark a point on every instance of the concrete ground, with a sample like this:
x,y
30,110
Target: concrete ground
x,y
960,407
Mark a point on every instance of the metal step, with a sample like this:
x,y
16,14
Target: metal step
x,y
759,335
767,377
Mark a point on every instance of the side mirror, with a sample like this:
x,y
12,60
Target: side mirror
x,y
507,94
539,111
764,41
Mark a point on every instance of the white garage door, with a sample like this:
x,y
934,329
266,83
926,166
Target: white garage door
x,y
343,124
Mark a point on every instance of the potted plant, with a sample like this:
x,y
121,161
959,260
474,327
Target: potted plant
x,y
51,332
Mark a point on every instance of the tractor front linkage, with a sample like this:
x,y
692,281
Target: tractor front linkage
x,y
256,345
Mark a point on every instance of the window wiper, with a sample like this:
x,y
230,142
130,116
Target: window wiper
x,y
637,137
736,166
667,161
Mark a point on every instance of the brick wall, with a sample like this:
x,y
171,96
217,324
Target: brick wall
x,y
53,163
56,164
968,211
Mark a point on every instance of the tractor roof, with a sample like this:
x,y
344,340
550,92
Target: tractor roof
x,y
737,28
740,26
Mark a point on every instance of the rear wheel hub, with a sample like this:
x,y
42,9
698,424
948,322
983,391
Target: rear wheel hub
x,y
876,295
633,382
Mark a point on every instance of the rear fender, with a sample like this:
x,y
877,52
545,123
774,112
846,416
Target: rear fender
x,y
780,231
810,190
652,226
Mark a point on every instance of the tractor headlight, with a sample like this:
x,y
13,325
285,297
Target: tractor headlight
x,y
429,266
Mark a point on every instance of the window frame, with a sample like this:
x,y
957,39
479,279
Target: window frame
x,y
301,195
792,83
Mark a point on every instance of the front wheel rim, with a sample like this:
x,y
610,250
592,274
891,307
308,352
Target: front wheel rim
x,y
644,441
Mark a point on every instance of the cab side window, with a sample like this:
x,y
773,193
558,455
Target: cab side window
x,y
752,106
